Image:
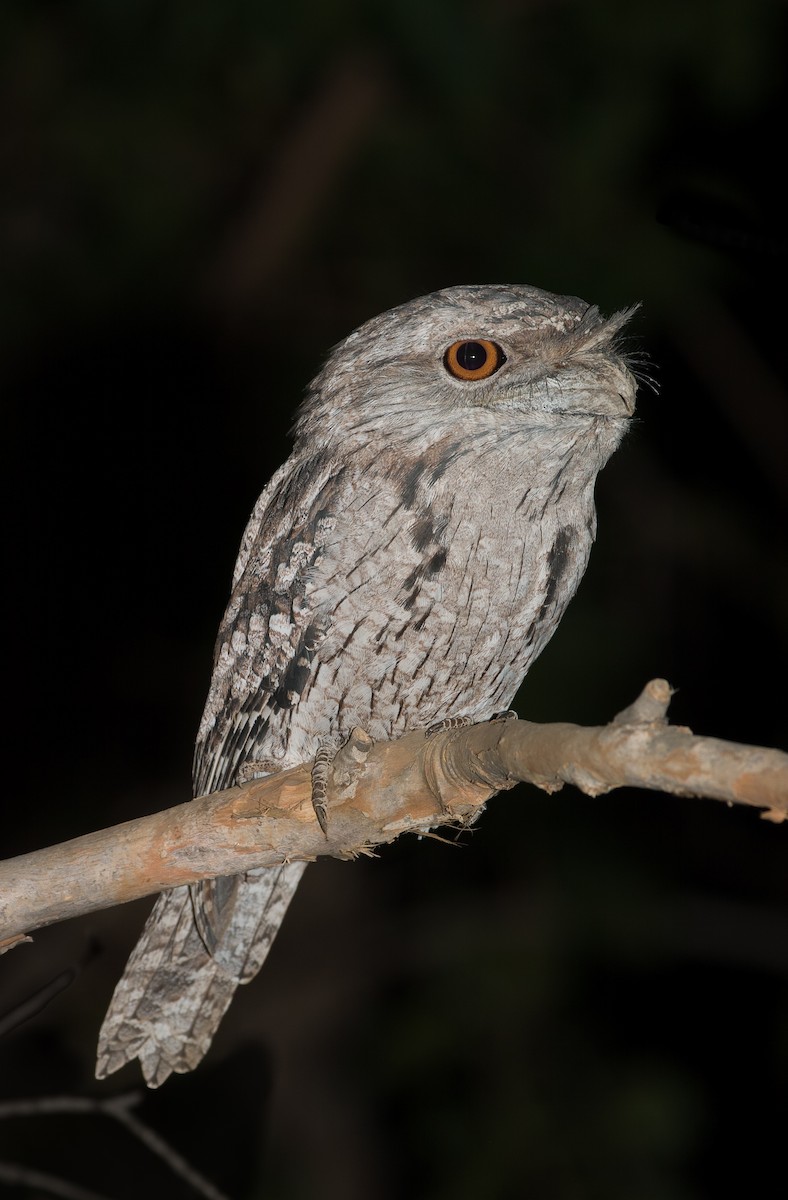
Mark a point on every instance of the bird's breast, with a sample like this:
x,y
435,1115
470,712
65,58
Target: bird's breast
x,y
436,611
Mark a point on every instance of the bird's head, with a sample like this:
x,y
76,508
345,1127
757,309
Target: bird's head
x,y
474,357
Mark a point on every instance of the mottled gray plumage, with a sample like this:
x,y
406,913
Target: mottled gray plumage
x,y
407,563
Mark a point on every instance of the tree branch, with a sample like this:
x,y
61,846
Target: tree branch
x,y
119,1109
376,792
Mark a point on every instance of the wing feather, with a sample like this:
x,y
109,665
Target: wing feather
x,y
269,633
199,944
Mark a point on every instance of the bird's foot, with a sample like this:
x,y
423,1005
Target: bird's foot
x,y
446,724
326,753
508,714
257,768
342,759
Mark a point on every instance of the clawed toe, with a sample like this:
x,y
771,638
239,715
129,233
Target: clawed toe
x,y
256,768
446,724
327,752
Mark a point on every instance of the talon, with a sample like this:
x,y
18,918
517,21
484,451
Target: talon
x,y
446,724
327,752
256,769
320,812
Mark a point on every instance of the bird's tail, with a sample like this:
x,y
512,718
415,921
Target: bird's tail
x,y
173,993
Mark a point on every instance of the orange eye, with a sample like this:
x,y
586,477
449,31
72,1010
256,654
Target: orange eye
x,y
473,359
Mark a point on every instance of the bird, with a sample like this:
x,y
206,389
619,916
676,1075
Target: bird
x,y
405,566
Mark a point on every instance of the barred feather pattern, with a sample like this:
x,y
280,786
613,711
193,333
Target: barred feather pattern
x,y
407,563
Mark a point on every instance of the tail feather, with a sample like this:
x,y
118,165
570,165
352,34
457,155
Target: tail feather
x,y
168,1004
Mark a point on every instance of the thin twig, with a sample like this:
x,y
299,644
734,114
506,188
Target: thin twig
x,y
18,1175
33,1005
116,1107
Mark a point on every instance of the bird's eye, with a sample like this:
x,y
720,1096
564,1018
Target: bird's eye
x,y
473,360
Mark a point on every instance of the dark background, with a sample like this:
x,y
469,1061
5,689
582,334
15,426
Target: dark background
x,y
590,999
